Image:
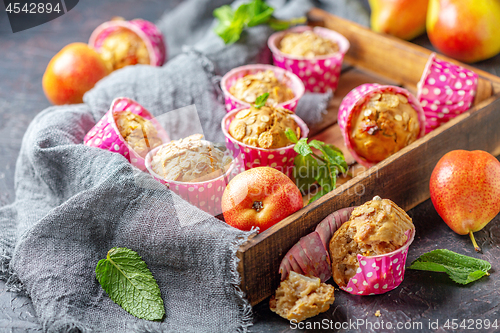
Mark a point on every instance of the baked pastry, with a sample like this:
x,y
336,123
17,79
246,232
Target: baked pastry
x,y
307,44
385,124
374,228
300,297
189,160
137,131
251,86
123,47
263,127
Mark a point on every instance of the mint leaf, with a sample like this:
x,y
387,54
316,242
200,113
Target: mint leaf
x,y
302,148
128,282
261,100
291,135
336,157
259,13
324,170
327,177
304,171
461,269
279,25
232,23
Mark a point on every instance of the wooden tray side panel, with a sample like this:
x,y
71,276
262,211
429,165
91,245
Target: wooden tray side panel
x,y
404,178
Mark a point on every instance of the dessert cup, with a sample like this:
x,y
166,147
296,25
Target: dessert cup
x,y
319,74
206,195
106,135
146,30
356,98
248,157
288,78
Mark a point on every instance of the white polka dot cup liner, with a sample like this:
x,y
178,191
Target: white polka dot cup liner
x,y
445,91
147,31
375,275
354,101
288,78
105,133
319,74
205,195
248,157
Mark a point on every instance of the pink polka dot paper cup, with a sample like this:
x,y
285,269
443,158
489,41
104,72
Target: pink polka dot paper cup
x,y
289,79
205,195
248,157
105,133
147,31
445,91
354,101
380,274
319,74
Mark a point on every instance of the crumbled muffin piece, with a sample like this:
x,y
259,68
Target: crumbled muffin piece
x,y
264,127
300,297
251,86
190,160
122,48
385,124
307,44
138,132
374,228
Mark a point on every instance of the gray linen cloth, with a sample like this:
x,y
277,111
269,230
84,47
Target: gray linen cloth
x,y
74,203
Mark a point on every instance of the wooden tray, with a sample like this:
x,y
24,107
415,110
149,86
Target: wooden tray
x,y
403,177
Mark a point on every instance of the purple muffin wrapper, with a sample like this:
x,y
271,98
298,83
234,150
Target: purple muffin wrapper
x,y
205,195
445,91
147,31
288,78
356,98
248,157
319,74
375,275
105,133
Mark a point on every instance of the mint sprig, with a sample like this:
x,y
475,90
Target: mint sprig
x,y
461,269
310,167
128,282
261,100
232,23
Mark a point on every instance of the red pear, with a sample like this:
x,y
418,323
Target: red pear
x,y
467,30
401,18
465,190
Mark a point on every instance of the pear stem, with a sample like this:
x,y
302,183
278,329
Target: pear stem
x,y
477,248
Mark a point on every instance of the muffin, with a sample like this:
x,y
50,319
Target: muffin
x,y
377,227
377,121
122,43
263,127
123,48
249,87
138,132
189,160
315,55
284,88
300,297
385,124
127,129
307,44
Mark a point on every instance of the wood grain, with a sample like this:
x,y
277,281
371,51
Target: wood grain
x,y
403,177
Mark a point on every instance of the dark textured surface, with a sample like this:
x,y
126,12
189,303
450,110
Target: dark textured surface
x,y
422,297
